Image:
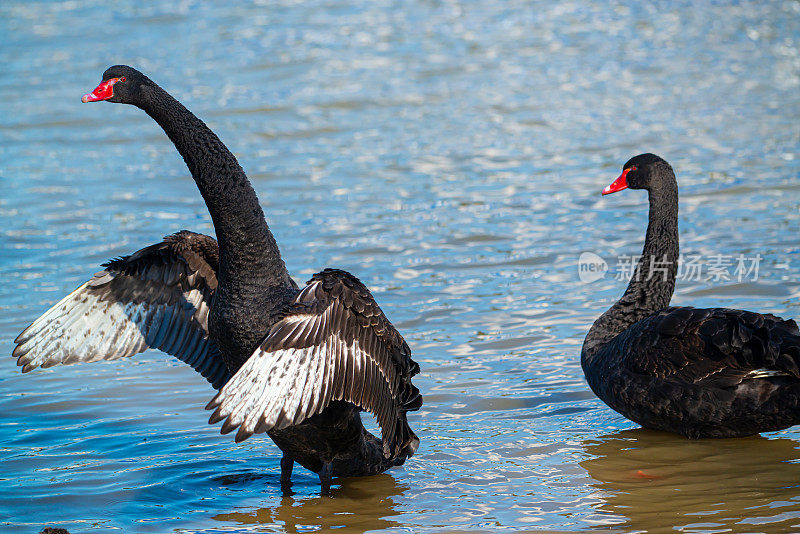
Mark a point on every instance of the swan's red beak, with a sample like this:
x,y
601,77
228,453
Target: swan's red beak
x,y
104,91
619,184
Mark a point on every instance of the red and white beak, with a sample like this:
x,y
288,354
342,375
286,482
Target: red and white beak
x,y
104,91
619,184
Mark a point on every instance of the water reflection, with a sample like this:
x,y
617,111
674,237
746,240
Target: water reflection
x,y
656,480
359,504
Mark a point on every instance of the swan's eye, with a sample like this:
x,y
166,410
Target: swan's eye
x,y
122,79
632,168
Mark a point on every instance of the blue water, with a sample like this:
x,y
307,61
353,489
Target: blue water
x,y
451,155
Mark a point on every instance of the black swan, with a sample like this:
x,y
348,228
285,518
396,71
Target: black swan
x,y
299,364
702,373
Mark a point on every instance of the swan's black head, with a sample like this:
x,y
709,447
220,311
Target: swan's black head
x,y
645,171
121,84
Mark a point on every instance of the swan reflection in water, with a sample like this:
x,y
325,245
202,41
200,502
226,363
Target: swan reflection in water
x,y
360,504
648,480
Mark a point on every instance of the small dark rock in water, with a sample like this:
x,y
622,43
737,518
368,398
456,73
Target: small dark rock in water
x,y
50,530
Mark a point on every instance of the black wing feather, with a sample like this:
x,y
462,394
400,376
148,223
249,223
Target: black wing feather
x,y
158,297
717,346
365,361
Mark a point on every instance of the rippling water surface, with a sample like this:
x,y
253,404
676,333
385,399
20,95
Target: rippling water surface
x,y
451,155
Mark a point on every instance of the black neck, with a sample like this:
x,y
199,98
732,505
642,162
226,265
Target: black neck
x,y
653,280
246,245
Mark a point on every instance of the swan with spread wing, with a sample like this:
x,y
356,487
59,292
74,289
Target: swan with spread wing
x,y
298,364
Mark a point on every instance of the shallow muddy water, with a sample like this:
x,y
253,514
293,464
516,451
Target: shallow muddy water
x,y
451,155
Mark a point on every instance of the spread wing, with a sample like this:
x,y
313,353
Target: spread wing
x,y
158,297
333,343
717,346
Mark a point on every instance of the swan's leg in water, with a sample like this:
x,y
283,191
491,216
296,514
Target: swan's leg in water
x,y
325,476
286,472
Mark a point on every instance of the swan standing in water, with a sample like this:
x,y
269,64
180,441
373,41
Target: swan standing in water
x,y
299,364
702,373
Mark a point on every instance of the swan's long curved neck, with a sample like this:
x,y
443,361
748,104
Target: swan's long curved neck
x,y
653,281
246,244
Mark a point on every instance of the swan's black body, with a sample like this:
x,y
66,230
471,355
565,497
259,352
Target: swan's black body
x,y
696,372
216,304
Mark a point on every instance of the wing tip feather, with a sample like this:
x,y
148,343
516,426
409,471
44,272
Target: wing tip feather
x,y
216,417
228,426
19,351
242,434
215,402
23,336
